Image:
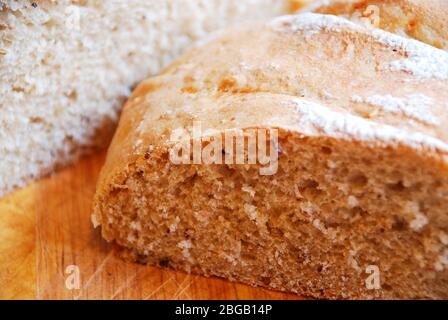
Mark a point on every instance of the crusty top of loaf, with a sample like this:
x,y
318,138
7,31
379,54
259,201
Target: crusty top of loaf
x,y
425,20
313,74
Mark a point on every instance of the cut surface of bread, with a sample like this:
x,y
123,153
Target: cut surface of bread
x,y
424,20
357,206
66,67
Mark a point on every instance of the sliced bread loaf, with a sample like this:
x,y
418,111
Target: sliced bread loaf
x,y
347,195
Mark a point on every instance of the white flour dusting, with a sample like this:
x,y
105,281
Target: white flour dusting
x,y
421,60
317,120
416,106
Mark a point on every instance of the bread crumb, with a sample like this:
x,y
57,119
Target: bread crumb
x,y
331,164
309,209
352,202
420,220
136,225
131,238
173,226
319,226
442,263
185,245
251,211
249,190
443,238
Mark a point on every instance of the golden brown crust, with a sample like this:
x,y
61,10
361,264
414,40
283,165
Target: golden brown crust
x,y
295,6
424,20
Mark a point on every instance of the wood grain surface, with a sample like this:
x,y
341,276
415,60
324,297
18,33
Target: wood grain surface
x,y
46,238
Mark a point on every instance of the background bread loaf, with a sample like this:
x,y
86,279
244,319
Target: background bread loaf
x,y
424,20
66,67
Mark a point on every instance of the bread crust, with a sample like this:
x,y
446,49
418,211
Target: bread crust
x,y
359,55
422,20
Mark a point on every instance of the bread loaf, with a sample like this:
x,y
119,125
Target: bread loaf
x,y
352,200
297,5
424,20
67,66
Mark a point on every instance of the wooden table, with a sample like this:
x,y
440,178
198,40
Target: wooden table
x,y
46,238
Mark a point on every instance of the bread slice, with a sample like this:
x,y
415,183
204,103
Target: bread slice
x,y
355,203
66,67
424,20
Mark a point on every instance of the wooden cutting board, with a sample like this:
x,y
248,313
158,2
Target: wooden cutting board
x,y
49,250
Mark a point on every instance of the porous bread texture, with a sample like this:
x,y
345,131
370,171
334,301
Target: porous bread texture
x,y
359,185
66,67
424,20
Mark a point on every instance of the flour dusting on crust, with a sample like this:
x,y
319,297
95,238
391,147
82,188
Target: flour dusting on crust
x,y
422,60
316,120
311,23
415,106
